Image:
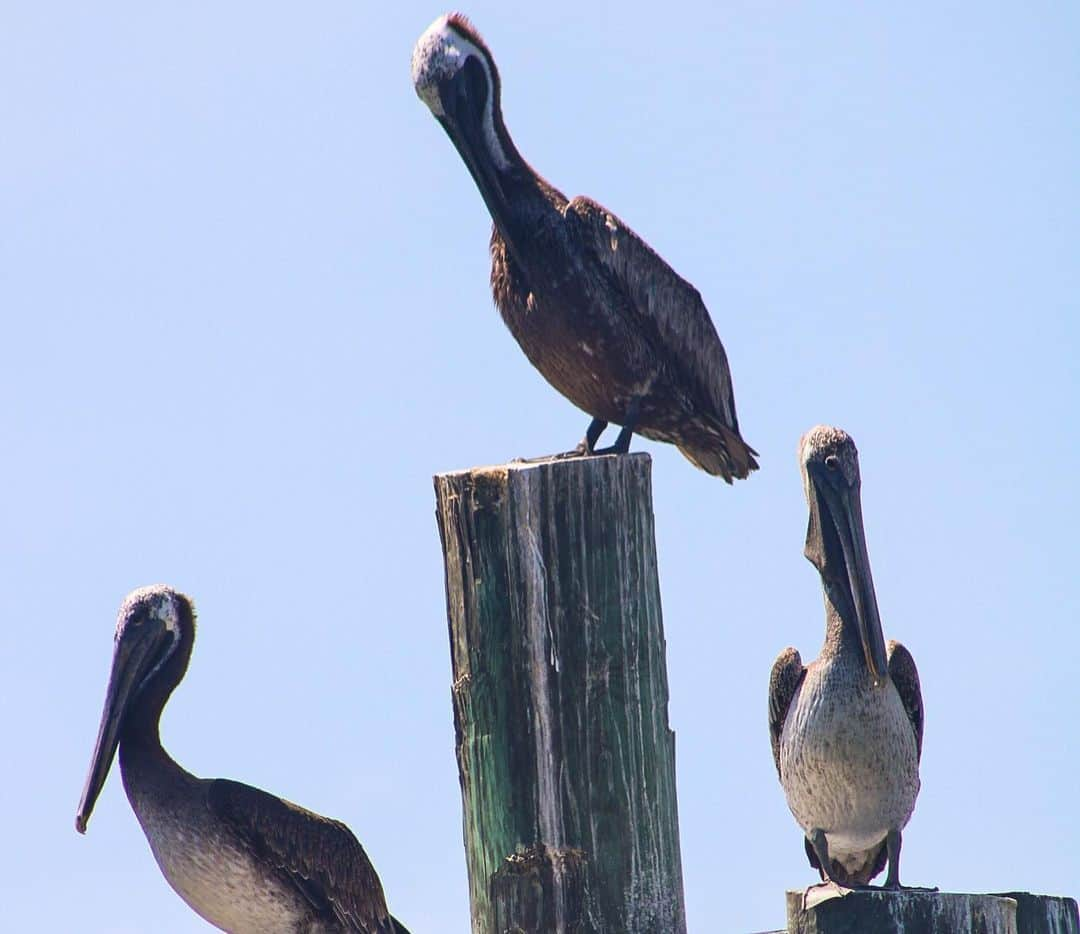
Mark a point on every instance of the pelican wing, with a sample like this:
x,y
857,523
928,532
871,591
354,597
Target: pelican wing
x,y
321,857
905,676
787,674
667,305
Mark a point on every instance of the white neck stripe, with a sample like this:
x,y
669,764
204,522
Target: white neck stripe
x,y
440,53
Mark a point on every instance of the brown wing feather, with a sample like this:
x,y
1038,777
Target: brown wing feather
x,y
787,674
321,856
670,304
905,676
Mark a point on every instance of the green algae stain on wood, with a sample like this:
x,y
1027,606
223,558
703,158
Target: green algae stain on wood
x,y
566,760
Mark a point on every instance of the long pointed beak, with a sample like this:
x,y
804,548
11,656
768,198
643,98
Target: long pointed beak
x,y
468,141
846,509
461,123
130,661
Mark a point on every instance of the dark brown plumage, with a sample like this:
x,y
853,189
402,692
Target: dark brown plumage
x,y
602,317
320,856
787,674
905,677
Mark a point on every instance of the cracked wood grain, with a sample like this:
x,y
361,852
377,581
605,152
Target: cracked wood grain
x,y
566,760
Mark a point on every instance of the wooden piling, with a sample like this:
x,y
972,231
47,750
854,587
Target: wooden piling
x,y
560,694
924,912
1045,914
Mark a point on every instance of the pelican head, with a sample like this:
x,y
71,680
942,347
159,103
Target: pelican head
x,y
155,626
835,541
454,73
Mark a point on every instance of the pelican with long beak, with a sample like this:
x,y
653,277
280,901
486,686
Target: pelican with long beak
x,y
846,729
244,860
603,318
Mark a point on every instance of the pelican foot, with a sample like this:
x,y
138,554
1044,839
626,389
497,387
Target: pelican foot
x,y
622,442
579,451
567,455
621,445
587,446
821,892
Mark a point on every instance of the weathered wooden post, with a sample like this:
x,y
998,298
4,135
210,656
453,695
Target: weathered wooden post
x,y
560,694
922,912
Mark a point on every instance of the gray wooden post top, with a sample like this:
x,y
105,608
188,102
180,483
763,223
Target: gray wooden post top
x,y
575,464
925,912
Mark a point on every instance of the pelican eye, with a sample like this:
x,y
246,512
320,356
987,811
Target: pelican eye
x,y
832,462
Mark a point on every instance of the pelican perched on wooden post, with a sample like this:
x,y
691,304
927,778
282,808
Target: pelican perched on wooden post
x,y
603,318
846,729
246,861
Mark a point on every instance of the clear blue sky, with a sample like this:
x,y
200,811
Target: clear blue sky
x,y
243,277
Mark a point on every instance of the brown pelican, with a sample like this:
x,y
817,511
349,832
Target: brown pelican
x,y
846,729
605,320
244,860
